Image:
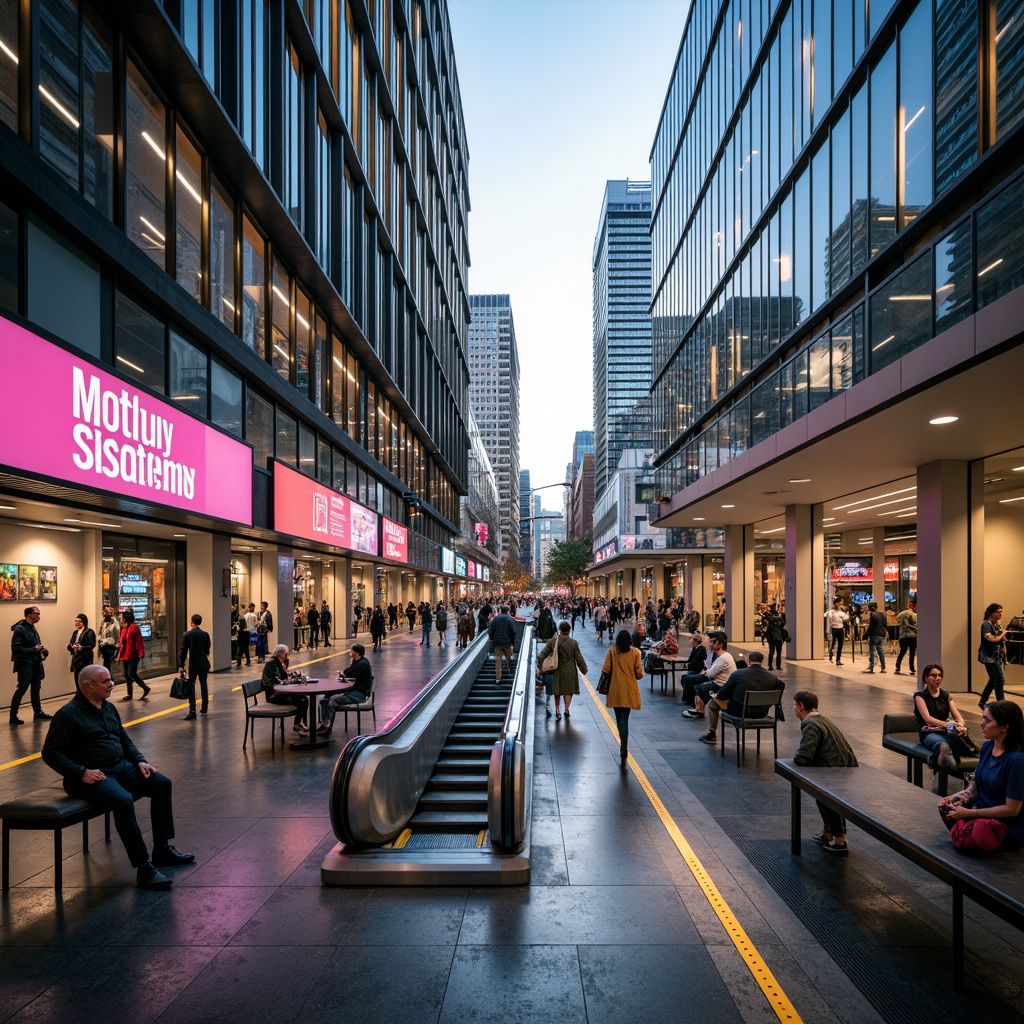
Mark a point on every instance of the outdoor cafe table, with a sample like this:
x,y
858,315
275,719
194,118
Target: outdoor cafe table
x,y
313,689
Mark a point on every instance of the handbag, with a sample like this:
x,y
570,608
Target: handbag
x,y
978,835
179,689
962,746
550,663
786,638
604,682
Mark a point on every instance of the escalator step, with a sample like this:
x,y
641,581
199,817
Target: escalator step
x,y
474,736
463,780
448,821
452,800
469,750
463,764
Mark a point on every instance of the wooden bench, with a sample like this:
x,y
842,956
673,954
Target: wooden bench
x,y
901,734
906,820
48,808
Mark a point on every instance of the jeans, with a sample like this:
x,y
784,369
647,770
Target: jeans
x,y
329,706
690,683
325,632
425,639
836,644
834,822
30,674
995,681
908,645
115,792
622,723
876,645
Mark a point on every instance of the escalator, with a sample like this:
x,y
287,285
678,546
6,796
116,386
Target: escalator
x,y
440,796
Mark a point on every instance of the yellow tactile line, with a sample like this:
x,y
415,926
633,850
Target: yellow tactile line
x,y
777,999
167,711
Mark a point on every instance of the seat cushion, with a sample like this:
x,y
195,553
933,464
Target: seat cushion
x,y
51,802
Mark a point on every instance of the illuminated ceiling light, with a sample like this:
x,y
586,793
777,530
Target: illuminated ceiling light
x,y
941,420
337,363
883,343
778,529
13,508
698,519
728,506
179,535
874,497
188,187
1018,469
801,480
302,320
281,351
910,298
945,287
886,219
230,305
277,291
185,398
149,238
894,511
149,140
830,519
89,522
904,515
906,127
1009,501
4,48
991,266
137,369
59,107
152,227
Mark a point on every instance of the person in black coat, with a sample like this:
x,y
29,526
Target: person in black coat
x,y
195,648
325,623
275,672
377,627
81,645
313,621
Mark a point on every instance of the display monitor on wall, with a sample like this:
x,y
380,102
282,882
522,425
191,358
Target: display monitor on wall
x,y
67,419
394,540
308,510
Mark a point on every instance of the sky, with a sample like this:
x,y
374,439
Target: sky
x,y
559,96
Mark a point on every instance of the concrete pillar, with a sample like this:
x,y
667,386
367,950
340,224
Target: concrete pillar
x,y
207,558
739,581
950,558
805,574
878,566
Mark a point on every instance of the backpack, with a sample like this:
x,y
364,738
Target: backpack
x,y
441,619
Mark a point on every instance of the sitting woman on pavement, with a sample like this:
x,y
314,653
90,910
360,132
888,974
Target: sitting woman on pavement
x,y
935,712
997,791
275,673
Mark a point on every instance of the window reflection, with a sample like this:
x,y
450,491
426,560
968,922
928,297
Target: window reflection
x,y
97,113
281,353
303,340
59,114
259,427
914,126
138,343
188,375
9,261
254,288
953,277
226,399
188,203
145,171
9,63
956,90
1009,65
222,254
883,151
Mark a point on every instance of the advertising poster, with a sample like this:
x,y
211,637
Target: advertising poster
x,y
8,582
28,582
395,539
47,583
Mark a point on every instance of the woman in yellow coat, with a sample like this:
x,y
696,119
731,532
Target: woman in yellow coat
x,y
624,665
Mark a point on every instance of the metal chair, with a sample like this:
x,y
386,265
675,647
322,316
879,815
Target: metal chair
x,y
763,705
366,705
254,710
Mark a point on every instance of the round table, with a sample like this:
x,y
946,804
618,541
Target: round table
x,y
313,688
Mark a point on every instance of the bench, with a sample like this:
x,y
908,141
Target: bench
x,y
906,820
901,734
47,808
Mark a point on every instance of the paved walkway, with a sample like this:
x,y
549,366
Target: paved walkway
x,y
615,925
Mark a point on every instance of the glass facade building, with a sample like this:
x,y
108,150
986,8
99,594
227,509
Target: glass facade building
x,y
494,399
262,206
622,326
827,178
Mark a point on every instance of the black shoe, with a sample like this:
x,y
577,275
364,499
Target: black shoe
x,y
169,857
146,691
149,878
189,717
202,711
17,721
129,697
708,737
42,716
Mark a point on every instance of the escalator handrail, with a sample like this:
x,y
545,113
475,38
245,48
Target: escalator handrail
x,y
514,729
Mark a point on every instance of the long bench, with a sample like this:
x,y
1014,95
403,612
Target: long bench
x,y
901,734
906,820
44,809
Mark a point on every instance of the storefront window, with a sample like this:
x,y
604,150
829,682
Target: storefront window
x,y
139,343
145,169
188,375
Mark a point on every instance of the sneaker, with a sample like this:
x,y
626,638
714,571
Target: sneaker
x,y
839,849
895,672
708,737
981,704
547,712
190,717
17,721
149,878
691,713
869,671
169,857
42,716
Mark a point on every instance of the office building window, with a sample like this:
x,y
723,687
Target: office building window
x,y
97,112
281,355
915,124
303,341
254,288
1009,65
323,462
59,114
145,173
287,438
259,427
883,151
307,450
139,343
226,398
321,366
188,204
956,90
222,253
188,375
254,61
293,133
9,261
9,63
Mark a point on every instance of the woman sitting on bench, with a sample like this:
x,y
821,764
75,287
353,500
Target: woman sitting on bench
x,y
936,712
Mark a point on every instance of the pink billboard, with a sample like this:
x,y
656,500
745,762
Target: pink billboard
x,y
303,508
90,428
396,540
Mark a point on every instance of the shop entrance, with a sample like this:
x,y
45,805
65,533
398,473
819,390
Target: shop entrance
x,y
148,575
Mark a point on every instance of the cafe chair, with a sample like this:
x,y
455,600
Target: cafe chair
x,y
367,705
254,710
759,713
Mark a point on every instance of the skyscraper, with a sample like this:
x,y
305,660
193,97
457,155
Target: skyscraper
x,y
494,399
525,522
579,514
622,325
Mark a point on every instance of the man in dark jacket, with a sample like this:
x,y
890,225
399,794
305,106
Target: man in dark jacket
x,y
87,745
313,622
729,697
361,674
502,631
483,618
27,653
195,648
878,633
325,623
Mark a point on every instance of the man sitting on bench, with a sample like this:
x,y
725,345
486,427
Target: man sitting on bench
x,y
823,745
87,745
362,683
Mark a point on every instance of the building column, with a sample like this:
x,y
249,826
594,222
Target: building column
x,y
207,558
950,558
805,574
739,585
878,567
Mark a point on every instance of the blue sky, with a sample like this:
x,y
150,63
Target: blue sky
x,y
558,96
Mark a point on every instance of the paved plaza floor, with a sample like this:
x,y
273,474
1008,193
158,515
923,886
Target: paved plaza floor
x,y
614,926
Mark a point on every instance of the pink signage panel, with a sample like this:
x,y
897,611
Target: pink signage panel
x,y
303,508
396,540
96,430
